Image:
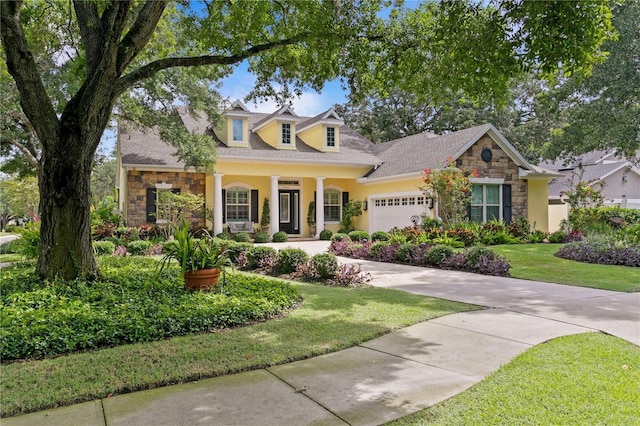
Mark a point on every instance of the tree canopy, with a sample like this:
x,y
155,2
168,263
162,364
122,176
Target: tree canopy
x,y
73,64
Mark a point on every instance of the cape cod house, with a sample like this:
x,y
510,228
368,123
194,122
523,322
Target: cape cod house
x,y
295,160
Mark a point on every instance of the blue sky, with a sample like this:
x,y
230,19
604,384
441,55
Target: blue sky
x,y
311,103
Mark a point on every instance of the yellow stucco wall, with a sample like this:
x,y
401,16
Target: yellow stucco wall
x,y
272,133
557,212
538,203
316,137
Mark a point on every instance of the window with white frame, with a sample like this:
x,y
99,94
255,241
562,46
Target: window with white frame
x,y
237,130
332,205
286,133
485,203
331,137
237,204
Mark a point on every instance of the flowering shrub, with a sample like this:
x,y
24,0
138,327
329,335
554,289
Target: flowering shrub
x,y
451,187
600,252
350,275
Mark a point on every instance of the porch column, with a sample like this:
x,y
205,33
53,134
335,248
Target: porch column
x,y
275,205
217,203
319,205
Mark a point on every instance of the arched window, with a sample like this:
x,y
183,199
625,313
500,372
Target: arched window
x,y
237,204
332,205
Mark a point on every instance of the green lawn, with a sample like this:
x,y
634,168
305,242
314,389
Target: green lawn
x,y
537,262
586,379
329,319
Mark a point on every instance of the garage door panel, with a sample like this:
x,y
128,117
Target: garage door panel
x,y
396,211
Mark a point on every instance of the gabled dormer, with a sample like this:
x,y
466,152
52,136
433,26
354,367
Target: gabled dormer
x,y
322,132
279,129
235,126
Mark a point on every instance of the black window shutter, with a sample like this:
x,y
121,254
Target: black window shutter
x,y
345,198
469,211
506,203
224,206
151,205
175,190
254,206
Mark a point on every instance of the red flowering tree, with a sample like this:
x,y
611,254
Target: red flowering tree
x,y
450,187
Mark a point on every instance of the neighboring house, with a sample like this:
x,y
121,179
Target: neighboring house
x,y
295,160
619,176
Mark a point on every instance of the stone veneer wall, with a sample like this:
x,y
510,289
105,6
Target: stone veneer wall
x,y
139,181
500,167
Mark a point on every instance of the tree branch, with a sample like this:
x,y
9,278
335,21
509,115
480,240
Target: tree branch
x,y
90,31
30,156
21,65
154,67
140,33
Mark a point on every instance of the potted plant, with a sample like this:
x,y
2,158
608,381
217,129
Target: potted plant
x,y
201,260
265,219
311,218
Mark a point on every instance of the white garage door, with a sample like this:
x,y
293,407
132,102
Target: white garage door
x,y
396,211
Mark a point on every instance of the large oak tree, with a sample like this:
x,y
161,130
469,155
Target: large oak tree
x,y
73,62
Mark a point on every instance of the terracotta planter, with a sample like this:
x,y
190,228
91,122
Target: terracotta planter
x,y
201,280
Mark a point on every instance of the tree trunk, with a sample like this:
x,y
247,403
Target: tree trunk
x,y
65,234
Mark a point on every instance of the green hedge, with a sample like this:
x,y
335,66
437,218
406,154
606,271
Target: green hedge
x,y
584,218
132,304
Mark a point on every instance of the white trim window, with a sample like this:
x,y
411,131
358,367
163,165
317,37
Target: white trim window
x,y
332,207
237,204
286,133
238,131
486,203
331,137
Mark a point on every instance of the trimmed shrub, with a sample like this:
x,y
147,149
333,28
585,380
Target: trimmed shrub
x,y
359,236
289,258
380,236
224,236
241,237
234,249
326,235
257,254
475,253
413,254
340,237
437,254
325,264
261,237
383,251
103,247
138,247
280,237
455,262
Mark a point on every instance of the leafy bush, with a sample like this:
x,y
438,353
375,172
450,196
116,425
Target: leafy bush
x,y
7,248
234,248
132,304
350,275
340,236
138,248
169,246
120,251
536,236
359,236
474,254
601,252
28,245
631,234
429,222
255,255
493,265
383,252
241,237
261,237
380,236
456,262
280,237
325,264
326,235
224,236
437,254
289,258
103,247
413,254
557,237
155,249
340,247
582,218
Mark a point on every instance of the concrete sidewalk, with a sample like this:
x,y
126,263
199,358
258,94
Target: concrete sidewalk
x,y
385,378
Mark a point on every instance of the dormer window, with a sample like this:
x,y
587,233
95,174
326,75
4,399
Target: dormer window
x,y
237,130
331,137
286,133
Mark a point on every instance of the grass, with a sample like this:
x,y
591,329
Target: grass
x,y
537,262
10,257
584,379
328,320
